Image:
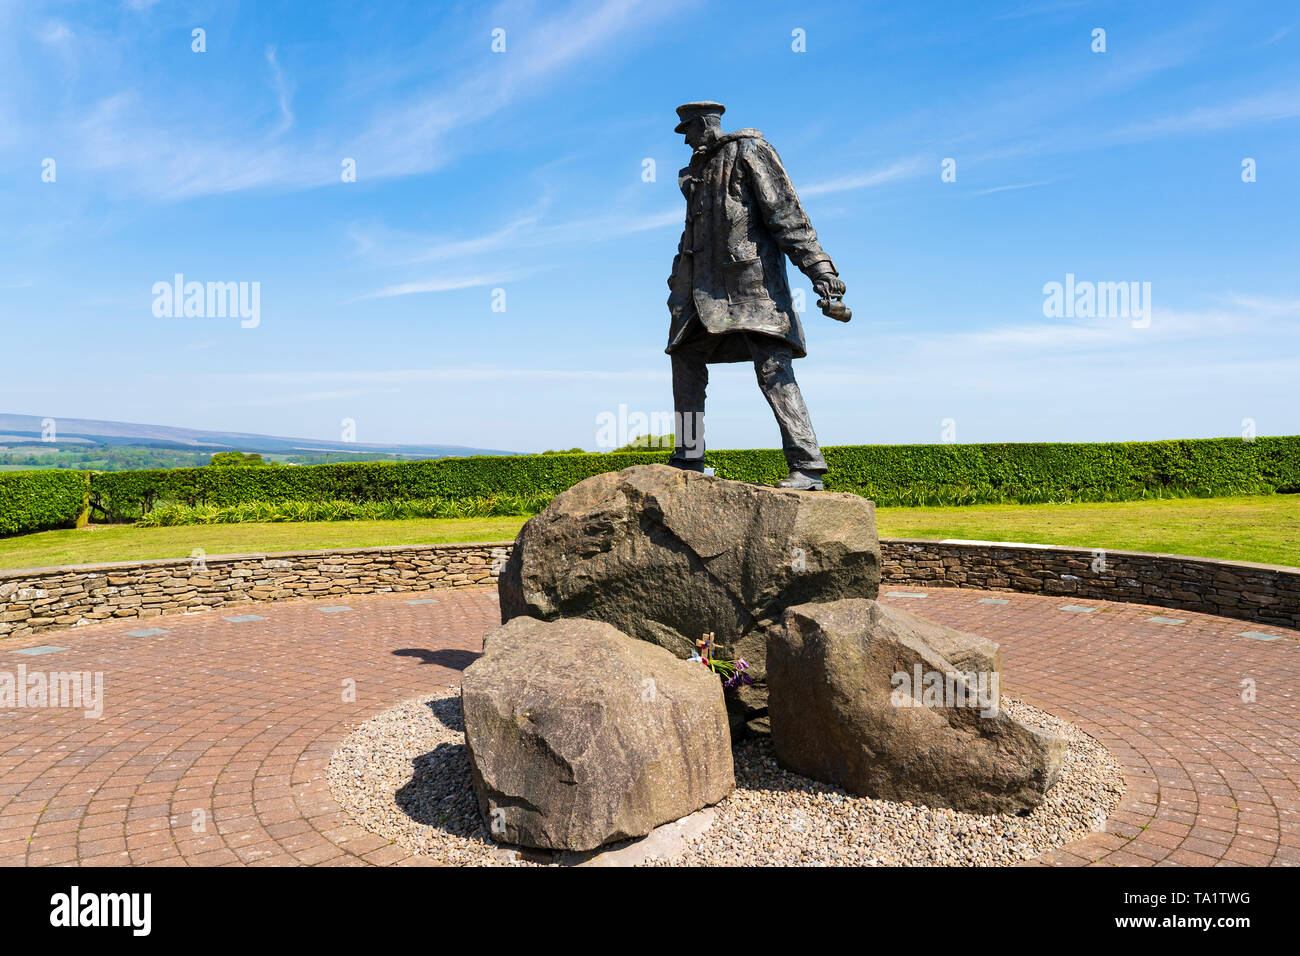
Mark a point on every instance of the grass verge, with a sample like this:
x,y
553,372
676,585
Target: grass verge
x,y
1262,528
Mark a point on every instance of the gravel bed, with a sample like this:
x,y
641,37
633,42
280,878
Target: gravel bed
x,y
404,775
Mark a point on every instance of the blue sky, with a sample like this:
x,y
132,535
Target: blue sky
x,y
523,171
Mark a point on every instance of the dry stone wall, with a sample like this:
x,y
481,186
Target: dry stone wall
x,y
1266,594
43,599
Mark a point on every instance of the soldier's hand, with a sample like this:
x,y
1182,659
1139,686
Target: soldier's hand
x,y
828,285
831,302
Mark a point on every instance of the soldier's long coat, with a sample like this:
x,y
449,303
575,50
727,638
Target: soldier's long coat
x,y
742,219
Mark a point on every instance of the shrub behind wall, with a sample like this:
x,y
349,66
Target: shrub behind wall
x,y
40,500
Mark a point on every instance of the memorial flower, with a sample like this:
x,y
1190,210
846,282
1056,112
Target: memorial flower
x,y
732,672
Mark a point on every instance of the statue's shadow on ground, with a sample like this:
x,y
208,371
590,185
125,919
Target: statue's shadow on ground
x,y
440,793
452,658
448,712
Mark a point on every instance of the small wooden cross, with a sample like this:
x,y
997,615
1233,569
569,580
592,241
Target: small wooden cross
x,y
705,644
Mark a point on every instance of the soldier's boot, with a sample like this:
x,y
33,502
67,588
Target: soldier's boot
x,y
802,481
684,464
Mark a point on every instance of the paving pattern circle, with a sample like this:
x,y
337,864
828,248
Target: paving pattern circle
x,y
216,731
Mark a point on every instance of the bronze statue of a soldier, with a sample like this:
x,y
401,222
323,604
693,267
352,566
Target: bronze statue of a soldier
x,y
730,298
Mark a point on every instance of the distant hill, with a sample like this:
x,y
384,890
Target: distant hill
x,y
25,429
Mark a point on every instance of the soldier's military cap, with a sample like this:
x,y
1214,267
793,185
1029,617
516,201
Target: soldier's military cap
x,y
688,111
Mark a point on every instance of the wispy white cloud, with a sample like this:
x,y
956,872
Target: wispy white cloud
x,y
407,376
902,169
1077,349
295,398
151,159
1041,9
55,33
1265,107
508,235
1020,115
1060,336
393,247
440,284
1174,334
132,136
283,90
531,231
1265,306
1010,188
1192,373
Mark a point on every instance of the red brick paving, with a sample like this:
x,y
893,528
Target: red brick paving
x,y
215,736
1211,779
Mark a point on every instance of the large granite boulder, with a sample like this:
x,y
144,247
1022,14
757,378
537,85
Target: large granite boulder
x,y
579,735
888,705
667,555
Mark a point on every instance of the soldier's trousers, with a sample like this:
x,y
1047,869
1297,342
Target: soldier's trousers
x,y
774,366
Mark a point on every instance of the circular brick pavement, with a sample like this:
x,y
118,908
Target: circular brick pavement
x,y
215,733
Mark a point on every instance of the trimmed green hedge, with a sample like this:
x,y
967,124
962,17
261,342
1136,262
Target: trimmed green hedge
x,y
126,495
1031,473
496,506
891,474
38,500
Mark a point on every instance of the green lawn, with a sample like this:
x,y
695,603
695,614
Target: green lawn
x,y
1264,529
98,543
